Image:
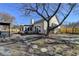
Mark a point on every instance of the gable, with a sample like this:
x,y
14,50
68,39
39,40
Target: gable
x,y
54,20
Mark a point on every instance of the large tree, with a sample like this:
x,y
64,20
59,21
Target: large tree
x,y
46,11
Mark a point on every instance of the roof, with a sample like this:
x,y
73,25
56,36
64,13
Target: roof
x,y
1,23
44,20
39,21
27,25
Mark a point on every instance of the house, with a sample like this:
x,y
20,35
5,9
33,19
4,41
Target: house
x,y
42,25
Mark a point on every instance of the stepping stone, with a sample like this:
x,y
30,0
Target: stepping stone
x,y
43,49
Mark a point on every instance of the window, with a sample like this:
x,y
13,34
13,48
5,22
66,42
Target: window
x,y
52,25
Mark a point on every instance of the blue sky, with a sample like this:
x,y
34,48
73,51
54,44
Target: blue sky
x,y
14,11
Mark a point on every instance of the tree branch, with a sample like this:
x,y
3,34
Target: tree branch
x,y
64,17
45,10
41,15
55,11
37,13
36,6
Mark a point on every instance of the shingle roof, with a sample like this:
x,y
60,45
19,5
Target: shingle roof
x,y
43,20
39,21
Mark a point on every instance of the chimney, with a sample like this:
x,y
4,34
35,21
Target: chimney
x,y
32,21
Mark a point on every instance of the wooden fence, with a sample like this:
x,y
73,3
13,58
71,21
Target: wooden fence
x,y
69,30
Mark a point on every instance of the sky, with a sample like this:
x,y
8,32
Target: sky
x,y
12,9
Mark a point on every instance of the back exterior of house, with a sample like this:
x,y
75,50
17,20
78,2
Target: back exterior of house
x,y
42,24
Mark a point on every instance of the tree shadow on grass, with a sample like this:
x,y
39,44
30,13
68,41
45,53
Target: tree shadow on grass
x,y
30,39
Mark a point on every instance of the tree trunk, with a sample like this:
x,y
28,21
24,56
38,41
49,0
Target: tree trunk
x,y
47,28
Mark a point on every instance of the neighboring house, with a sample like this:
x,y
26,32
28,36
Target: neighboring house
x,y
42,24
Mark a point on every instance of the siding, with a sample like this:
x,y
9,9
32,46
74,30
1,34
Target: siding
x,y
43,24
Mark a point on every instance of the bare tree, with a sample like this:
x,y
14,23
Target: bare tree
x,y
46,11
6,18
